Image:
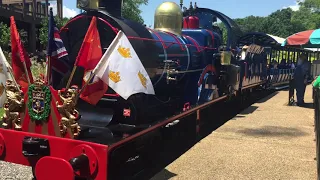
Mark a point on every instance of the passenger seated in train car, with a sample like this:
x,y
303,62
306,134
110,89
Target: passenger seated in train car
x,y
275,65
282,64
290,65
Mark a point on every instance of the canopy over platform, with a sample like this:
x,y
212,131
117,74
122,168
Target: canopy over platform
x,y
261,39
265,40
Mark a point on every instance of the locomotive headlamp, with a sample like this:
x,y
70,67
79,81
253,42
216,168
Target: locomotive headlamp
x,y
88,4
83,3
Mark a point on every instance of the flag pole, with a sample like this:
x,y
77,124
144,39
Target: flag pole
x,y
87,82
26,71
48,70
71,76
14,80
85,85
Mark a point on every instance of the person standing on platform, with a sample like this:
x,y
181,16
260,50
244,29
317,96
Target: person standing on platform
x,y
300,78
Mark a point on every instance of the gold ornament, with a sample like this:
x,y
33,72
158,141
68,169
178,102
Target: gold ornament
x,y
68,112
13,106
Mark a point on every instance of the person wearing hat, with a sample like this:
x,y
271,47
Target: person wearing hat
x,y
301,78
244,52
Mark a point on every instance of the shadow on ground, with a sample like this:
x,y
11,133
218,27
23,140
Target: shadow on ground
x,y
272,131
249,110
308,105
164,175
265,99
218,115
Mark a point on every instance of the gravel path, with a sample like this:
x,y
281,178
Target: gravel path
x,y
14,171
268,140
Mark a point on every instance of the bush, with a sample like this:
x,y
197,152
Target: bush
x,y
4,36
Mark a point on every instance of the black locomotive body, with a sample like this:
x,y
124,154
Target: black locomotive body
x,y
185,65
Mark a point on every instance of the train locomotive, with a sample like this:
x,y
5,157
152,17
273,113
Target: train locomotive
x,y
190,69
186,63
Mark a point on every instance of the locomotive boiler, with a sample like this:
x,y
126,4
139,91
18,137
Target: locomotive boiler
x,y
183,60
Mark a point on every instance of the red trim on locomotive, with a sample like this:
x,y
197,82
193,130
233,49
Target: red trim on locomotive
x,y
115,30
208,68
212,36
60,150
194,42
177,40
158,36
163,123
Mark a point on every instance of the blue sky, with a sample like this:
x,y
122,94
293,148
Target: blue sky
x,y
232,8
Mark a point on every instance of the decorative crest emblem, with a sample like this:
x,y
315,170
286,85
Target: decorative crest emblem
x,y
124,52
114,76
143,80
39,101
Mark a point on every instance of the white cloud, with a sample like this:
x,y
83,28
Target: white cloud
x,y
67,12
294,7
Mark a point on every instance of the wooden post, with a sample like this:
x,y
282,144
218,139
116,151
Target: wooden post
x,y
34,9
23,8
59,9
46,8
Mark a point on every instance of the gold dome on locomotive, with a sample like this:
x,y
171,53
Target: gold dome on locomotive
x,y
168,17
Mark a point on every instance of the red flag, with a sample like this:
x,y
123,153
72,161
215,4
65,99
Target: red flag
x,y
89,55
19,56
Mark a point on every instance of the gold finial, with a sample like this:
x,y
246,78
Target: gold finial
x,y
169,18
114,76
124,52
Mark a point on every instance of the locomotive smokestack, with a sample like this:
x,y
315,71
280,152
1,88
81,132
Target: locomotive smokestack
x,y
113,7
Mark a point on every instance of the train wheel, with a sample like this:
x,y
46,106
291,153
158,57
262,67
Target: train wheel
x,y
207,90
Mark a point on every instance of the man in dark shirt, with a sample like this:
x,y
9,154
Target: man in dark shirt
x,y
300,78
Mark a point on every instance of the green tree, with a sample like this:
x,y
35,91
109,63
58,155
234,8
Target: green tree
x,y
131,10
4,36
5,41
310,4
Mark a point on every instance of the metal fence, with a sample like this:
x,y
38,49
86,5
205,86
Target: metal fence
x,y
316,100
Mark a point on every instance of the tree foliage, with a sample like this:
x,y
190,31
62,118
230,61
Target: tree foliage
x,y
131,10
284,22
5,35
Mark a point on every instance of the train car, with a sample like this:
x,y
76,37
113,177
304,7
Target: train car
x,y
190,71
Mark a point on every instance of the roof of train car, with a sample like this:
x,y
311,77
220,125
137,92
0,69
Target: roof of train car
x,y
265,40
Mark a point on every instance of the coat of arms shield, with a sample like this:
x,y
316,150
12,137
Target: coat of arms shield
x,y
39,101
38,97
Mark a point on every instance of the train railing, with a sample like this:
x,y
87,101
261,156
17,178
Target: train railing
x,y
279,77
316,100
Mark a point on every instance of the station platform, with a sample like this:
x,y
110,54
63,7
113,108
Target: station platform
x,y
268,140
